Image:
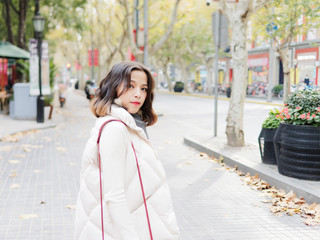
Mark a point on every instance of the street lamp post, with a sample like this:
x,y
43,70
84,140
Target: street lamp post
x,y
38,24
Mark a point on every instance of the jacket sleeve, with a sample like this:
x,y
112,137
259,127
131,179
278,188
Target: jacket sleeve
x,y
113,151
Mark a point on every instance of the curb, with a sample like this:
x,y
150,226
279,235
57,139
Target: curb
x,y
28,129
219,98
268,173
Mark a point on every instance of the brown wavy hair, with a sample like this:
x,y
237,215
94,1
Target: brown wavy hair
x,y
107,91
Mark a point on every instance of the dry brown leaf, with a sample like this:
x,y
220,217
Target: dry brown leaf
x,y
278,214
27,149
218,169
256,205
202,154
13,174
14,161
28,216
20,155
71,207
61,149
315,207
6,148
290,196
46,139
311,221
188,162
14,186
31,146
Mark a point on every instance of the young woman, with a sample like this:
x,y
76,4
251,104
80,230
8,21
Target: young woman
x,y
126,94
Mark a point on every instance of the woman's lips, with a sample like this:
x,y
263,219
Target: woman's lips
x,y
135,103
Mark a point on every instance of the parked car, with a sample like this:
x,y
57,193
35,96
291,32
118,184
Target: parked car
x,y
178,86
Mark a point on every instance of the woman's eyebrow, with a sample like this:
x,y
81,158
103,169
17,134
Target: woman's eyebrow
x,y
145,84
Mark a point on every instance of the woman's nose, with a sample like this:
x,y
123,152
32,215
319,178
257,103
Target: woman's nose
x,y
137,93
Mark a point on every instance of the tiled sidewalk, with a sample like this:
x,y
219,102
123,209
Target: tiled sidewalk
x,y
39,180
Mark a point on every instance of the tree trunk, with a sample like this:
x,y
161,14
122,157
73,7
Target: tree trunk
x,y
234,130
23,6
286,72
209,78
7,18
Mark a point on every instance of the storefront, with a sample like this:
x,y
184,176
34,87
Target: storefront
x,y
307,65
258,65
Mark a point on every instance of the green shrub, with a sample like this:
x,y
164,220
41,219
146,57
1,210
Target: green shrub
x,y
277,89
273,120
302,108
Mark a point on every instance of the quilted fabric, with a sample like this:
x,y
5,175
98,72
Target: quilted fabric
x,y
124,211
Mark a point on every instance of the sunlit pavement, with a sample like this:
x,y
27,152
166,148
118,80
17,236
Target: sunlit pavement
x,y
39,180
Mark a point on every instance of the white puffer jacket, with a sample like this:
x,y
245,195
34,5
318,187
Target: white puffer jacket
x,y
124,212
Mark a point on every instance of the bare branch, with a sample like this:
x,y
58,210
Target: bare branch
x,y
164,38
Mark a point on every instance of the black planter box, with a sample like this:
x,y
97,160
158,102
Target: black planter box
x,y
266,146
297,149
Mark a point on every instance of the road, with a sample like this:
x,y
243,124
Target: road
x,y
197,114
39,177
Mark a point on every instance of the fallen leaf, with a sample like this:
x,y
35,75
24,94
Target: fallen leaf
x,y
14,161
6,148
188,162
13,174
61,149
311,222
28,216
202,154
256,205
218,169
42,202
31,146
71,206
14,186
37,171
20,155
27,149
46,139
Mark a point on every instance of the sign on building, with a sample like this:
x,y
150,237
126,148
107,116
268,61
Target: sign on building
x,y
34,68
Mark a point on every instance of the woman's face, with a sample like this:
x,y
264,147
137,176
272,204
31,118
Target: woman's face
x,y
133,98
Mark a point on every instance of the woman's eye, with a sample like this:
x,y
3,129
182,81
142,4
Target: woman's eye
x,y
131,86
145,89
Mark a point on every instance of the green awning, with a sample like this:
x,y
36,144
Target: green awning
x,y
8,50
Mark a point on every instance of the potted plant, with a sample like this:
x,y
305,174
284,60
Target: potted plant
x,y
277,89
265,139
297,140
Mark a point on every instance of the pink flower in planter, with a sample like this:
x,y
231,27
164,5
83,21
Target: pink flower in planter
x,y
298,108
313,115
288,116
303,116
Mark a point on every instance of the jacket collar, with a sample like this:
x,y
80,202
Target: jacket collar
x,y
121,114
